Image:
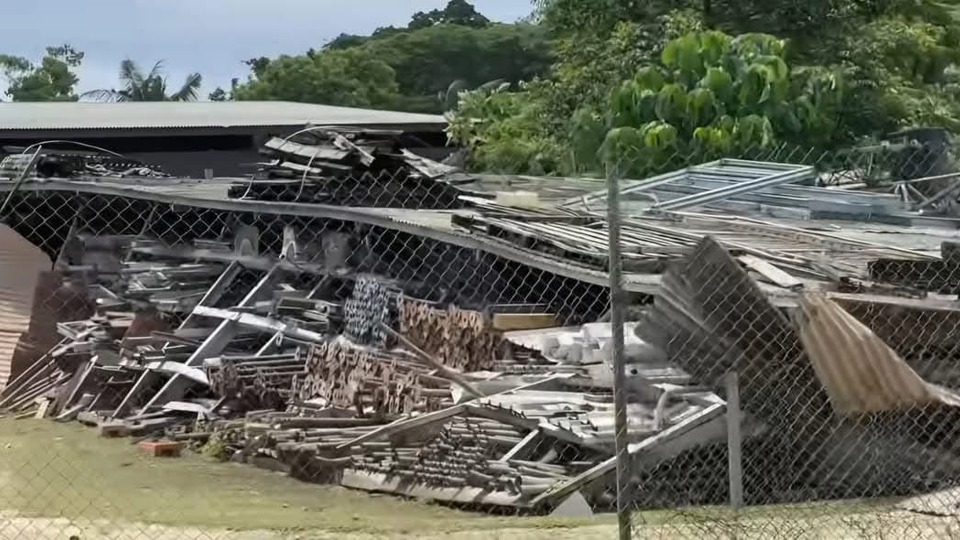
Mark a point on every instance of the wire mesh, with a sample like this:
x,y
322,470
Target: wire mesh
x,y
377,343
823,371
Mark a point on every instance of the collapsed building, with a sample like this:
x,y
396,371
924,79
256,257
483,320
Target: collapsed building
x,y
357,314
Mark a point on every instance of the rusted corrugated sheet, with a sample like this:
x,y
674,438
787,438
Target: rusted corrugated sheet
x,y
21,264
860,372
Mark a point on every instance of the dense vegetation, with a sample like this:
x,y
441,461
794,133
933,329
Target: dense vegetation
x,y
582,83
824,73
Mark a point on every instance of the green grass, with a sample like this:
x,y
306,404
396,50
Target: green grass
x,y
50,470
66,470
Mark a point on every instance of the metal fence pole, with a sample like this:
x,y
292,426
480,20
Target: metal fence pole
x,y
619,370
735,460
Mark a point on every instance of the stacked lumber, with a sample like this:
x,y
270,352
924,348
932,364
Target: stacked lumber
x,y
468,452
372,382
255,382
460,339
350,168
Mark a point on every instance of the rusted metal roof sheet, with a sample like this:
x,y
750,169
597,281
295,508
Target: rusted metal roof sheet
x,y
21,264
860,372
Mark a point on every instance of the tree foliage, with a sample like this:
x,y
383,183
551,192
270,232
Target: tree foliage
x,y
138,85
894,60
53,79
709,96
427,61
457,12
456,46
351,77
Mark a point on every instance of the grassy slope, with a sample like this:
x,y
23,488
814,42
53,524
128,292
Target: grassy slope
x,y
50,470
56,470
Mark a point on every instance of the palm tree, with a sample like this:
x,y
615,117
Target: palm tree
x,y
152,86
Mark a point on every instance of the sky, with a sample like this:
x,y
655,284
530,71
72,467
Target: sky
x,y
212,37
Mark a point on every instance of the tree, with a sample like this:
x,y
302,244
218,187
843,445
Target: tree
x,y
707,96
53,79
710,96
458,12
851,35
152,86
427,61
503,130
458,47
219,94
351,78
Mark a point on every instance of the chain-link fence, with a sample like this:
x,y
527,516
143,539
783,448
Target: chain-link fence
x,y
812,319
765,352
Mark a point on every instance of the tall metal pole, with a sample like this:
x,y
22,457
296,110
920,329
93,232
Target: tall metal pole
x,y
619,369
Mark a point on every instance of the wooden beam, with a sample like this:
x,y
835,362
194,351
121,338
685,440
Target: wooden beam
x,y
507,322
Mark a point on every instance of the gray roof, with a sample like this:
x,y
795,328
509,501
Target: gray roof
x,y
193,115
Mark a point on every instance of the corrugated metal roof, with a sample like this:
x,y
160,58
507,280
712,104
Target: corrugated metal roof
x,y
860,373
20,266
180,115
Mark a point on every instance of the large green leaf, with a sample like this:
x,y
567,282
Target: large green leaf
x,y
719,82
659,135
713,46
650,78
701,107
671,103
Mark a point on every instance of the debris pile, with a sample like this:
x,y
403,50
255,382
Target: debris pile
x,y
246,359
351,168
49,162
319,360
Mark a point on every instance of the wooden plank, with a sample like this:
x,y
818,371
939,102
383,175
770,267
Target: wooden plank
x,y
770,272
522,448
523,321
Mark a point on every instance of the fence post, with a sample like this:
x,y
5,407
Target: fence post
x,y
617,347
734,455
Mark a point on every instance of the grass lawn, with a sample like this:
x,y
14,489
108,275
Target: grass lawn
x,y
65,470
58,477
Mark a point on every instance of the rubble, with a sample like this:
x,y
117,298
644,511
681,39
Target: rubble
x,y
351,168
252,363
391,352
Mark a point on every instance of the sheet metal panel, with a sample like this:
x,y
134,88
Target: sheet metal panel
x,y
861,373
